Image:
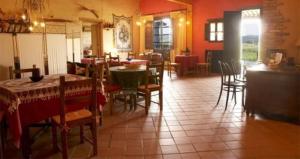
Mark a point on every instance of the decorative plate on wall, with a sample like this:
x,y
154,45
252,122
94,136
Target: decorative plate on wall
x,y
123,33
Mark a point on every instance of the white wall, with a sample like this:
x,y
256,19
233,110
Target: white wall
x,y
6,55
57,53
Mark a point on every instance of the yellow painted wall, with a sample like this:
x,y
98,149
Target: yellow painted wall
x,y
68,9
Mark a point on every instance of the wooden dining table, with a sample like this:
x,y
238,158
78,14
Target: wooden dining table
x,y
26,102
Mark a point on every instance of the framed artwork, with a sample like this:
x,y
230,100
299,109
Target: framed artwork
x,y
123,33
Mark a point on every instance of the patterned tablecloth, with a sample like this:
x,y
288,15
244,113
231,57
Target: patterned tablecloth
x,y
27,102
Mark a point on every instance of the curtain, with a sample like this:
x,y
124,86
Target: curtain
x,y
179,33
97,39
74,46
146,37
56,49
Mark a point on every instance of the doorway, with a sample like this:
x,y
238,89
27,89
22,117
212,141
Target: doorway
x,y
250,36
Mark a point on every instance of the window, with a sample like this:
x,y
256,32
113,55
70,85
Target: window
x,y
215,31
162,34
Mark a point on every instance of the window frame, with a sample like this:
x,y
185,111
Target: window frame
x,y
160,36
216,22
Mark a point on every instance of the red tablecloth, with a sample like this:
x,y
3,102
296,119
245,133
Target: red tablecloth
x,y
186,63
34,102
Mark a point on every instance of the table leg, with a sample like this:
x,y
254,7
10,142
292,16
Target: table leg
x,y
26,143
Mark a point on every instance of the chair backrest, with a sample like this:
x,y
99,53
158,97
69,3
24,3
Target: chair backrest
x,y
226,72
115,59
156,58
131,55
18,73
236,69
154,74
107,55
90,99
71,67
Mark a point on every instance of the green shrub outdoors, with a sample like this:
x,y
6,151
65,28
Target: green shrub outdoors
x,y
250,52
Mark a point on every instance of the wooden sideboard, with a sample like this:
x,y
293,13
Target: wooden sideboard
x,y
274,93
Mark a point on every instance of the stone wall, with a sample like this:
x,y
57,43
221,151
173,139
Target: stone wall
x,y
281,28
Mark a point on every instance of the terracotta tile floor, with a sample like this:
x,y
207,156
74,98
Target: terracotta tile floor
x,y
189,127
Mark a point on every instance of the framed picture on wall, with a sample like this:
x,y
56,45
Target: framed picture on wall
x,y
123,33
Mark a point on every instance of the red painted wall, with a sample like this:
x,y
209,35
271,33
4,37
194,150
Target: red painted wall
x,y
210,9
158,6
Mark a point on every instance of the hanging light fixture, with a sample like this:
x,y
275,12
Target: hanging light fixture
x,y
33,10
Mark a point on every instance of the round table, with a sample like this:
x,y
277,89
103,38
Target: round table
x,y
128,78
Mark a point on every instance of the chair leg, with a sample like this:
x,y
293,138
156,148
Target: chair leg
x,y
147,102
234,93
110,103
81,134
243,97
94,136
134,101
100,118
64,143
125,102
161,100
227,97
54,137
220,94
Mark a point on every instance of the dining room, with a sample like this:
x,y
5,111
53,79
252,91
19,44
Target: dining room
x,y
149,79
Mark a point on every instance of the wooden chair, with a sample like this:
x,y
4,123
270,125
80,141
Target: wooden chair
x,y
228,83
153,82
238,73
110,89
85,116
113,61
206,66
16,74
131,55
171,65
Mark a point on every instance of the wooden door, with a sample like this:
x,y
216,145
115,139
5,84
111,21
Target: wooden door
x,y
232,38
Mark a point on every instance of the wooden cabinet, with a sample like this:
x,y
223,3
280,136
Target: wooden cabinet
x,y
274,92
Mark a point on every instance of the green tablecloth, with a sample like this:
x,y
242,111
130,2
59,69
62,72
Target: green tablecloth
x,y
128,78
